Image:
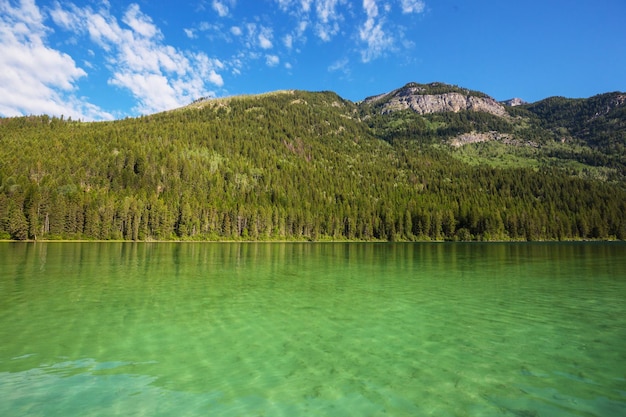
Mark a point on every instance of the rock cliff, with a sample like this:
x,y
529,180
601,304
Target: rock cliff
x,y
419,98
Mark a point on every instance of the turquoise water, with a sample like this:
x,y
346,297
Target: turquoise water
x,y
308,329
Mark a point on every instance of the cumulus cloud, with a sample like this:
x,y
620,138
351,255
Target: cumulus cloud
x,y
158,76
35,78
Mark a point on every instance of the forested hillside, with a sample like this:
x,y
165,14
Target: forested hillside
x,y
312,166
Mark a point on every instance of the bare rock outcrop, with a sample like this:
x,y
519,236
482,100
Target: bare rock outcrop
x,y
417,98
476,137
514,102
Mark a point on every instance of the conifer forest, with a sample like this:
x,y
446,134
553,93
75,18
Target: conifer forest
x,y
298,165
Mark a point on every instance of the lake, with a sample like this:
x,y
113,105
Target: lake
x,y
313,329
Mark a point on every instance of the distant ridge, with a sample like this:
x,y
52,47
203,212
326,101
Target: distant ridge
x,y
403,94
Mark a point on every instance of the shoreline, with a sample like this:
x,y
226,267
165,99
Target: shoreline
x,y
307,241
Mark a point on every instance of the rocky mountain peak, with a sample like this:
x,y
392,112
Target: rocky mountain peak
x,y
435,98
516,101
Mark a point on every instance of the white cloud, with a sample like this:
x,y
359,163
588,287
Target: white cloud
x,y
371,8
379,40
35,78
64,18
340,65
302,27
297,36
251,34
208,67
154,89
236,65
220,8
328,18
272,60
324,16
376,40
265,38
288,41
326,31
284,5
191,34
376,35
101,31
158,76
327,10
215,78
206,26
236,30
140,23
290,5
412,6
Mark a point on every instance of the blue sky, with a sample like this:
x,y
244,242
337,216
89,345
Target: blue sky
x,y
99,60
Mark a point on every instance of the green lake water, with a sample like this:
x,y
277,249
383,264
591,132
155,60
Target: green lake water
x,y
312,329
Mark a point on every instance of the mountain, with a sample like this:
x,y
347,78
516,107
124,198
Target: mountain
x,y
598,121
423,162
512,102
433,98
584,136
